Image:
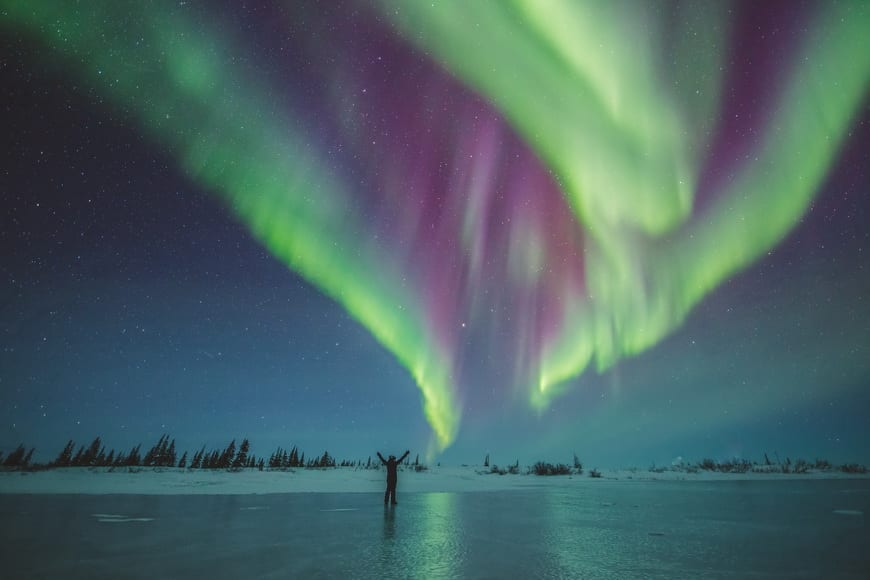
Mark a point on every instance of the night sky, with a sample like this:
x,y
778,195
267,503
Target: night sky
x,y
634,231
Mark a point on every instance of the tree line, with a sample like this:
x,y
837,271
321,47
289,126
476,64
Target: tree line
x,y
165,454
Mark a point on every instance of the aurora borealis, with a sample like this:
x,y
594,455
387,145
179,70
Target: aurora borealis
x,y
527,204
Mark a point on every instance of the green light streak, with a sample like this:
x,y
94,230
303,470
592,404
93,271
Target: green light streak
x,y
177,80
628,146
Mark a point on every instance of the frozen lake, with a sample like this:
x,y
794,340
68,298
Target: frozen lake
x,y
758,529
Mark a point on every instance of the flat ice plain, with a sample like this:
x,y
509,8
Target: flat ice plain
x,y
580,528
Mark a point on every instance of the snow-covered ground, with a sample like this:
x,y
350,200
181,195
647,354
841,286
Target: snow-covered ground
x,y
165,481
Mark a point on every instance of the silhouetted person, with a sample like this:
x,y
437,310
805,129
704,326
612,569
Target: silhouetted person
x,y
392,475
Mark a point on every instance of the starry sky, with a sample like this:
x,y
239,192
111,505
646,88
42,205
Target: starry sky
x,y
634,231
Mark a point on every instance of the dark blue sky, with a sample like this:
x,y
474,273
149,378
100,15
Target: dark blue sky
x,y
133,303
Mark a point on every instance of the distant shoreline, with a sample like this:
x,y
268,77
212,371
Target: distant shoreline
x,y
183,481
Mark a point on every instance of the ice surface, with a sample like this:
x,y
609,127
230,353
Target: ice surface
x,y
650,529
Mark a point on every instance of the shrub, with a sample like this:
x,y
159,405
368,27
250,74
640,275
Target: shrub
x,y
542,468
853,468
578,467
822,465
707,464
801,466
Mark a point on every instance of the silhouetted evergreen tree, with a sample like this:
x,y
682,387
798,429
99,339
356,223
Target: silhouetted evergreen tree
x,y
163,452
169,459
241,458
133,458
301,460
183,461
294,457
197,459
226,458
486,461
153,454
110,459
326,460
28,457
121,459
90,455
77,460
64,458
261,465
369,464
15,458
417,460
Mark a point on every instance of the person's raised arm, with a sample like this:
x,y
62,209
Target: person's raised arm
x,y
381,457
402,458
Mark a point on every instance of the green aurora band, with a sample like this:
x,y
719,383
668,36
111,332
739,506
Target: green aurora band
x,y
627,145
624,126
231,139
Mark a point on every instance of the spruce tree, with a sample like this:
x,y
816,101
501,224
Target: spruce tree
x,y
162,458
134,459
15,458
64,458
183,461
226,458
241,459
169,460
90,457
28,457
156,455
77,460
197,459
150,455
